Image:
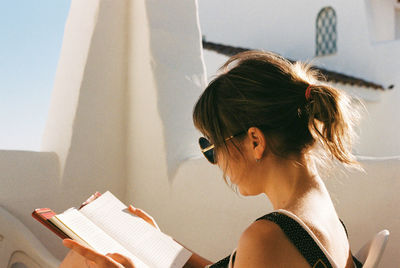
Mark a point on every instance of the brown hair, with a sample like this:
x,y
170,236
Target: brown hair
x,y
264,90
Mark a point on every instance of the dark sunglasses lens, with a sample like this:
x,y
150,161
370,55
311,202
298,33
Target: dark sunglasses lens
x,y
210,156
204,143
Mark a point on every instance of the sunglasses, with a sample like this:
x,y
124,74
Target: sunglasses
x,y
207,148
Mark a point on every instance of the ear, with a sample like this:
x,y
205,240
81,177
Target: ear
x,y
258,143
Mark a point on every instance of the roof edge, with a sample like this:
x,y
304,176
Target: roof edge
x,y
331,76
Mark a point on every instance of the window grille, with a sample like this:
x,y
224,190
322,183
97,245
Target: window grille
x,y
326,35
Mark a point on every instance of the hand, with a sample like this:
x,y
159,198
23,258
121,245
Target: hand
x,y
95,259
90,199
146,217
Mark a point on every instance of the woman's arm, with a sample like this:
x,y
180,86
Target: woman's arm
x,y
195,261
74,259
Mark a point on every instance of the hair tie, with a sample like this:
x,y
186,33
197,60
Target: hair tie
x,y
308,92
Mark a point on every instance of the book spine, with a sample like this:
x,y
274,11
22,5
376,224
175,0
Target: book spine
x,y
63,227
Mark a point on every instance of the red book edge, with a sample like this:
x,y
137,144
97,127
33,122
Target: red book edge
x,y
43,215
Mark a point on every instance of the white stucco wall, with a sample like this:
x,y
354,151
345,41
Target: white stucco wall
x,y
166,77
381,19
285,27
86,125
177,67
367,203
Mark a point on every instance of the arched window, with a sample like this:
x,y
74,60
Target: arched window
x,y
326,32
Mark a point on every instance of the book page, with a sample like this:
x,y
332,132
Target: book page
x,y
80,228
146,242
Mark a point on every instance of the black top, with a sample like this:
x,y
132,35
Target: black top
x,y
300,238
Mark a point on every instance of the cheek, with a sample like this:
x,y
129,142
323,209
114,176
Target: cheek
x,y
220,160
235,165
225,163
242,172
237,172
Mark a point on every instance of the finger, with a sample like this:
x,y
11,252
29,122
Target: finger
x,y
125,261
140,213
86,252
133,209
146,217
67,242
90,199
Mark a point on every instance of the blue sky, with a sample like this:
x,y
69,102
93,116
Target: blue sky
x,y
31,34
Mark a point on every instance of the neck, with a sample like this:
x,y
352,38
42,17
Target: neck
x,y
290,181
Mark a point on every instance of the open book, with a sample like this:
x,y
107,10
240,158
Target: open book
x,y
107,226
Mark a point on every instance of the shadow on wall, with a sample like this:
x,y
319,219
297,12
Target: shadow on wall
x,y
180,75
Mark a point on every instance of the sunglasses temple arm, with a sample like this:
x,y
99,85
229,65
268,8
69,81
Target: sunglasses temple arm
x,y
208,148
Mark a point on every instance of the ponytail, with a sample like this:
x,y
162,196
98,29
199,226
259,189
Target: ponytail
x,y
332,120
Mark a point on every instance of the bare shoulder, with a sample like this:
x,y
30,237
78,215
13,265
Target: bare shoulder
x,y
264,244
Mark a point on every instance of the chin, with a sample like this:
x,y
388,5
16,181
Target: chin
x,y
243,192
248,192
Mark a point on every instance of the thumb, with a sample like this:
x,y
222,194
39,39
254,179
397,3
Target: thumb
x,y
121,259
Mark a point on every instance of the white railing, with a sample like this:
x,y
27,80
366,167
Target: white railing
x,y
19,245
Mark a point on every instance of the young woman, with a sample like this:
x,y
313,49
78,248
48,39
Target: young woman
x,y
266,122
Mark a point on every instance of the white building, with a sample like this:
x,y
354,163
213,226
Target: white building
x,y
120,120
